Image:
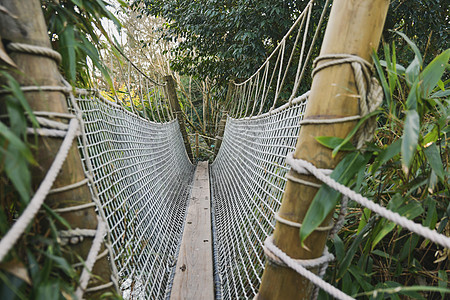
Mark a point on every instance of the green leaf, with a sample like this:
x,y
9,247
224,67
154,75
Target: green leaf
x,y
56,216
386,154
443,281
326,198
67,49
351,251
384,254
338,247
16,168
364,219
432,74
405,290
62,264
412,71
384,83
410,138
13,287
412,45
48,290
411,210
432,216
333,142
434,158
354,130
16,91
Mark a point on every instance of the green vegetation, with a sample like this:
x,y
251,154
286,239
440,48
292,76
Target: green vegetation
x,y
405,169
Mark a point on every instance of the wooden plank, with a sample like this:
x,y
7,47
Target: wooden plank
x,y
194,272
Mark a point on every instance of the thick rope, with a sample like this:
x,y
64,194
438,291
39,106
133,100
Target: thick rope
x,y
301,269
299,225
302,166
35,50
43,88
69,187
92,258
370,93
35,204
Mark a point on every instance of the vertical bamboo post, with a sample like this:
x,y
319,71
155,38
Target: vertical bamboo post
x,y
29,27
173,100
354,28
196,144
220,132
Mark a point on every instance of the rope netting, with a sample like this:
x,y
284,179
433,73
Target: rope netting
x,y
139,174
247,183
142,178
250,172
137,168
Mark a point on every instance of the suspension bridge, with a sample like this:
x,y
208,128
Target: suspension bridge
x,y
178,230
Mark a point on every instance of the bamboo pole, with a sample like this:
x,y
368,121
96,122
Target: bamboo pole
x,y
29,27
196,145
355,28
220,132
173,100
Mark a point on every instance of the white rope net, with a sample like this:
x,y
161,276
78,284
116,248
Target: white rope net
x,y
142,177
247,183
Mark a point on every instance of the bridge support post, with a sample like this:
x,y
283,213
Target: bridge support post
x,y
26,25
173,100
220,132
355,28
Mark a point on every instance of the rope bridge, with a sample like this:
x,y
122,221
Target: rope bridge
x,y
247,180
140,178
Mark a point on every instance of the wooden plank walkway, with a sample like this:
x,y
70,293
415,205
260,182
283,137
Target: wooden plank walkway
x,y
194,272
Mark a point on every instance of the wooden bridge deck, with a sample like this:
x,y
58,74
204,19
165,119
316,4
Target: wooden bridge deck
x,y
194,272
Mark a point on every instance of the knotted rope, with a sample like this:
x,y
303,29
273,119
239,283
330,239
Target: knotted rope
x,y
370,93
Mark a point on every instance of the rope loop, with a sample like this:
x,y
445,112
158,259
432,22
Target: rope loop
x,y
370,93
35,50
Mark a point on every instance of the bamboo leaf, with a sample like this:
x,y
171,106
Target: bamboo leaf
x,y
412,71
443,282
351,251
434,158
16,168
411,210
353,132
333,142
14,87
387,154
412,45
410,138
67,49
326,198
432,74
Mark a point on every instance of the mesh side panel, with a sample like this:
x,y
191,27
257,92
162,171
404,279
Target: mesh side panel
x,y
142,175
247,183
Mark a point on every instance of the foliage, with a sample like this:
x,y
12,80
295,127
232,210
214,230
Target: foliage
x,y
223,39
75,28
425,21
230,39
408,173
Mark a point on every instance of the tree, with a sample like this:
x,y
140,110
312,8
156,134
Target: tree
x,y
222,39
230,39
